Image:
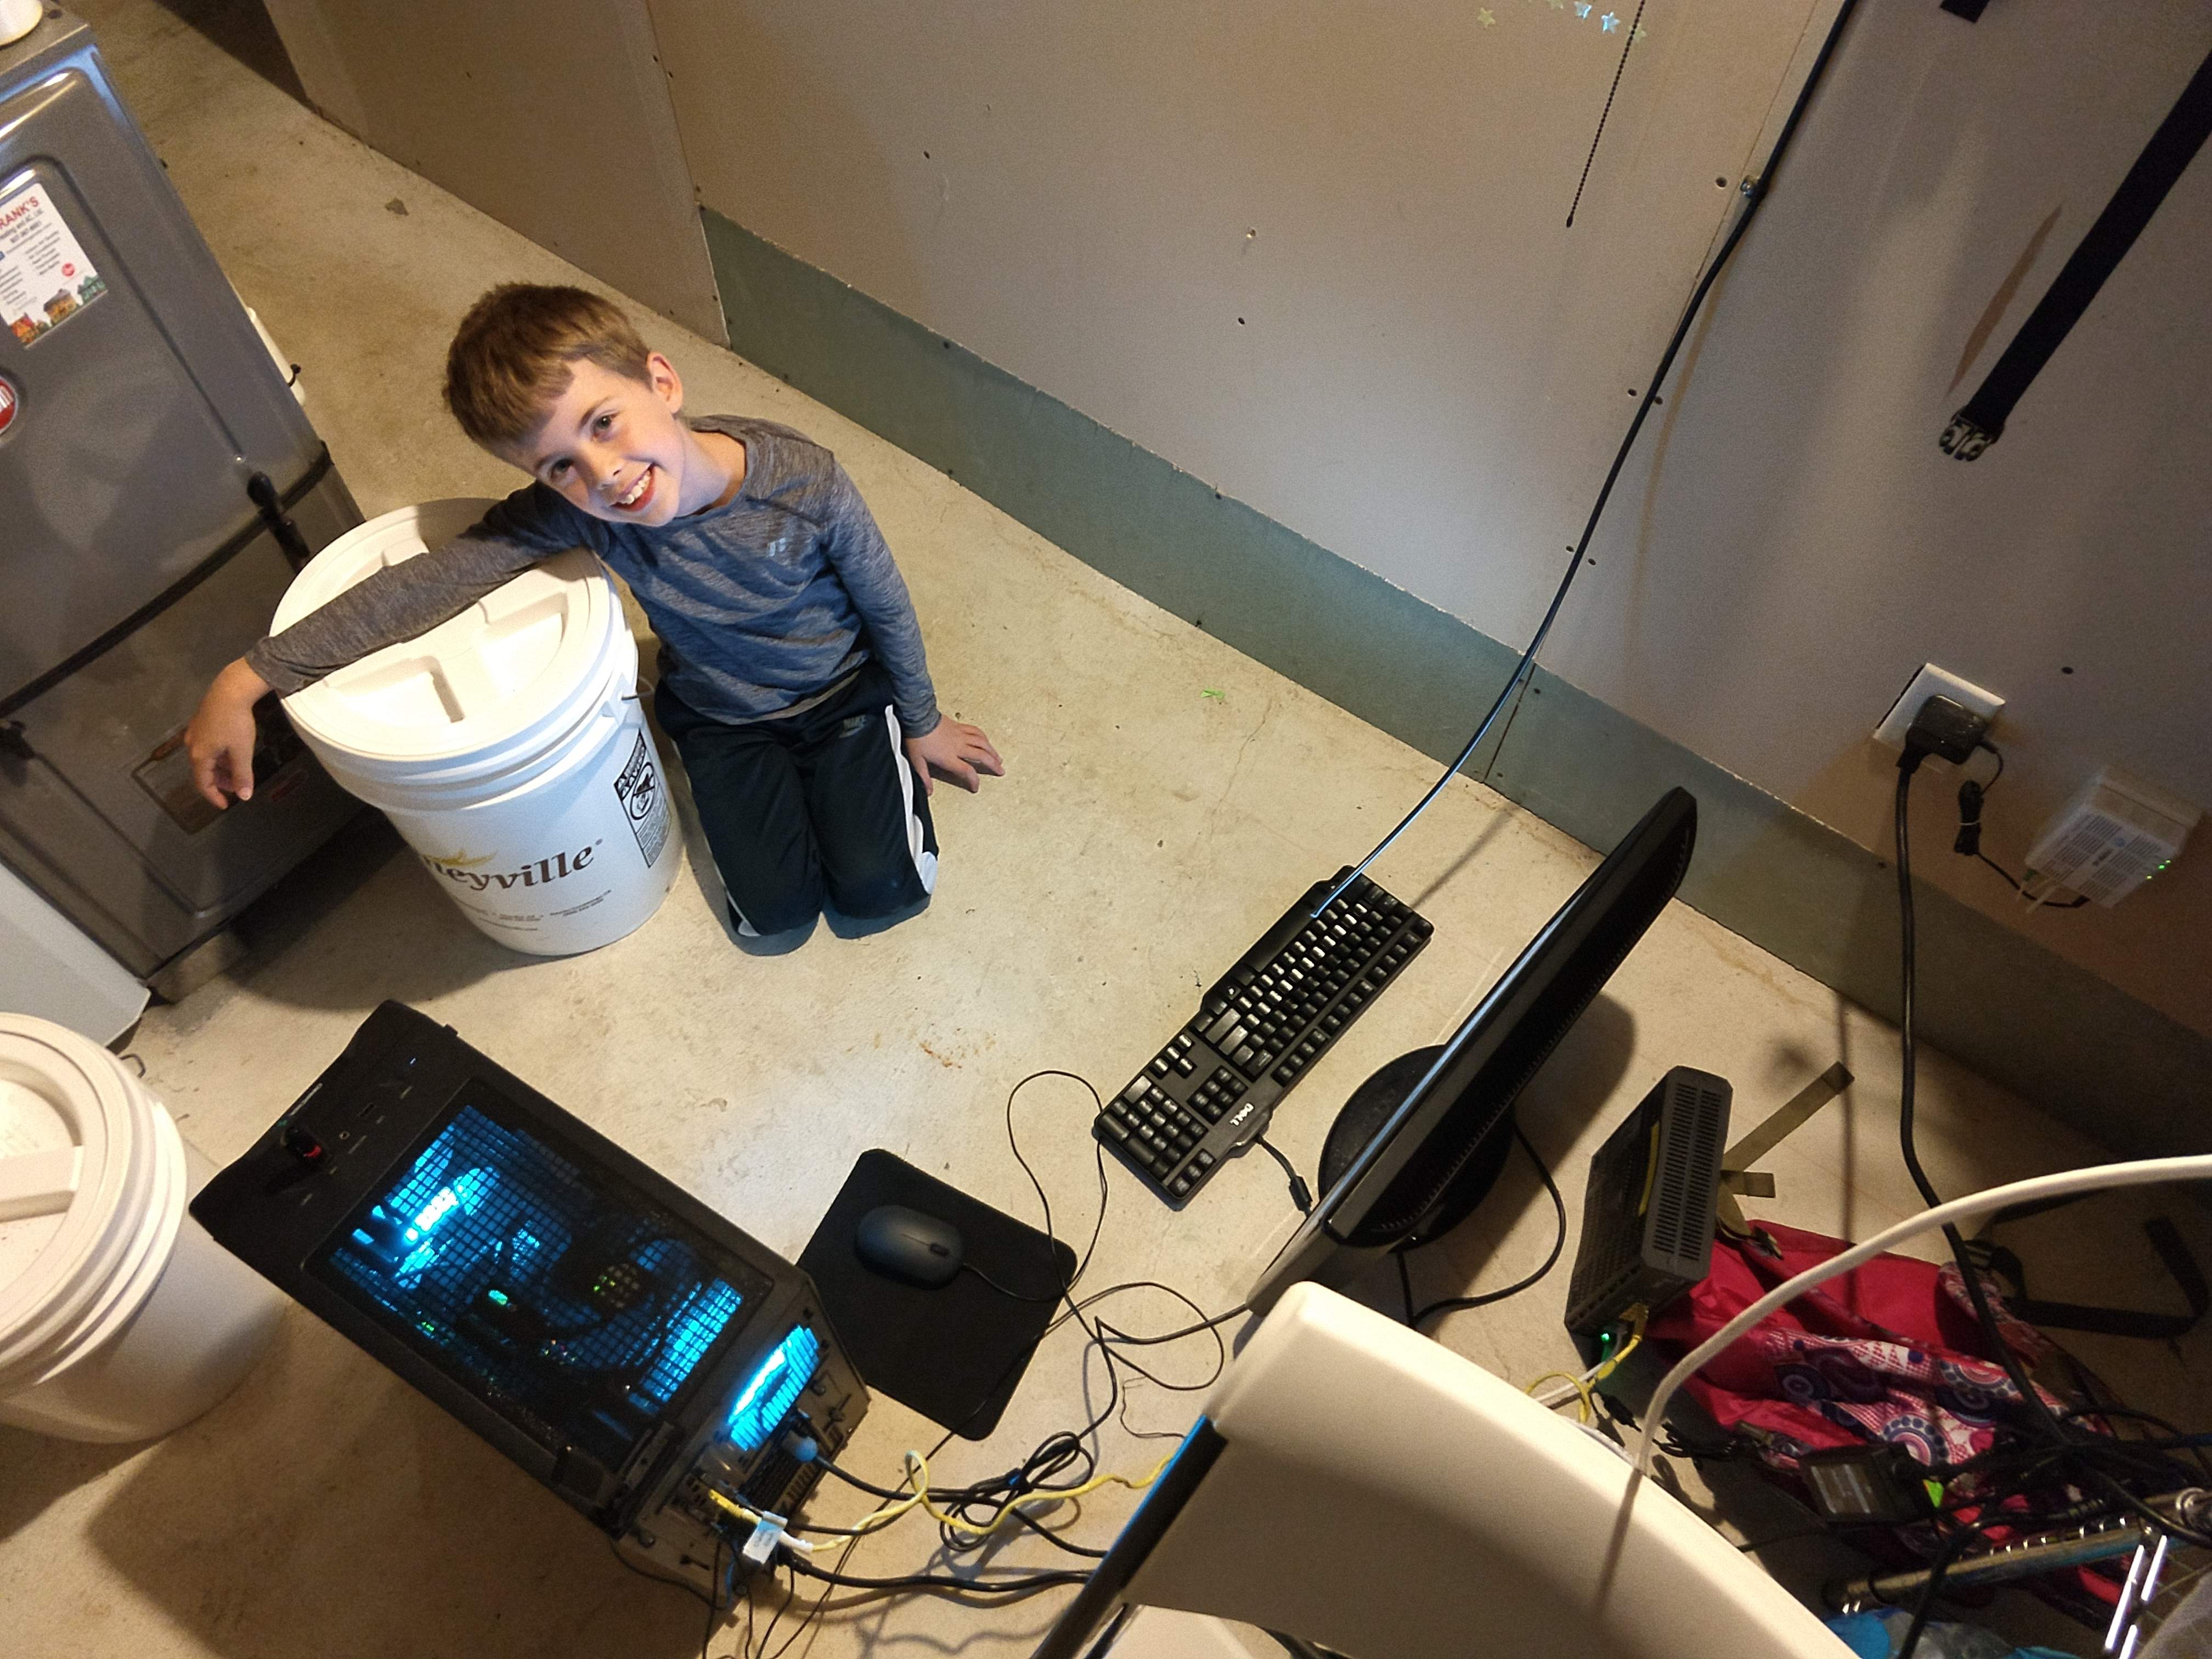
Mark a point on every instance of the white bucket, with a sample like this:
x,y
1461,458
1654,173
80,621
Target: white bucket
x,y
120,1319
506,745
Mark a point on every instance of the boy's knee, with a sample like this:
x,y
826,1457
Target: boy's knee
x,y
869,895
780,914
765,908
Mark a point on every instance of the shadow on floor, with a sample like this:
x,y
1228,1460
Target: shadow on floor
x,y
397,935
1495,827
327,1508
35,1472
242,30
1556,1106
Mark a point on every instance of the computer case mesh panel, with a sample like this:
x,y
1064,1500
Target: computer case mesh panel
x,y
630,1347
533,1284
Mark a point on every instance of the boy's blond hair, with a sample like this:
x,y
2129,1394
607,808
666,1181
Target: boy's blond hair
x,y
514,353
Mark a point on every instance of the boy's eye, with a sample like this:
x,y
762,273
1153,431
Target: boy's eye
x,y
606,423
556,469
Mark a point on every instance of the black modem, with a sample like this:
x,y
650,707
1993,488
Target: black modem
x,y
1648,1212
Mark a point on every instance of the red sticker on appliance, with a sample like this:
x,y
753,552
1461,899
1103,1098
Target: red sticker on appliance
x,y
9,402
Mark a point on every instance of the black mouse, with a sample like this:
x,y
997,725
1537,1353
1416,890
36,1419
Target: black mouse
x,y
909,1246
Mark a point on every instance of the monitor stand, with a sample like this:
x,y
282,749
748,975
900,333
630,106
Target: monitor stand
x,y
1369,1108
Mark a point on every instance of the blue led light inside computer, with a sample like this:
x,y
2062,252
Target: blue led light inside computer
x,y
582,1309
769,1393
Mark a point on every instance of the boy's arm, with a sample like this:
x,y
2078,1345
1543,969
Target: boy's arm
x,y
408,600
858,552
862,560
398,602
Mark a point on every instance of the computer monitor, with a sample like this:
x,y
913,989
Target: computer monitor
x,y
1365,1491
1421,1142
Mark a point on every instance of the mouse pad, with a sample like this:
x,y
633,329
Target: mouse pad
x,y
954,1353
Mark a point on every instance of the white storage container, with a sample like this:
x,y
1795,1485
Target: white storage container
x,y
506,745
120,1319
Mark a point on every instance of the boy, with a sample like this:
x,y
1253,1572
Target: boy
x,y
791,674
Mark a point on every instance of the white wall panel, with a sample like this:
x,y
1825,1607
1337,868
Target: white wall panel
x,y
552,116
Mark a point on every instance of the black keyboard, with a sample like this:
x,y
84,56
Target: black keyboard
x,y
1211,1091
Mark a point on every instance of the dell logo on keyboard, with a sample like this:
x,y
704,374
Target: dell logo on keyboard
x,y
1243,1112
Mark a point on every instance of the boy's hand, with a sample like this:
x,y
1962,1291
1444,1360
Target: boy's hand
x,y
955,752
221,738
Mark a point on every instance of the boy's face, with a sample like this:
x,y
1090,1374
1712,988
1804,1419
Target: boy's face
x,y
613,447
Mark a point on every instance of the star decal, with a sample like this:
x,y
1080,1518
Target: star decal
x,y
1582,9
1609,22
1486,18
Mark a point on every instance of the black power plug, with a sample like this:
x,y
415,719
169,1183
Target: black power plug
x,y
1941,727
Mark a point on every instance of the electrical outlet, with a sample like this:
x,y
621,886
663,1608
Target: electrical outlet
x,y
1934,682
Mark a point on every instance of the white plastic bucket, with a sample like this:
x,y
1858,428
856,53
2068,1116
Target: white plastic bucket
x,y
120,1319
506,745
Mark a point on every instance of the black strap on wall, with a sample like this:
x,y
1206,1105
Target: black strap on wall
x,y
2171,149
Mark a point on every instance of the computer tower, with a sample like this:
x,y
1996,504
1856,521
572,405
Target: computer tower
x,y
1648,1211
628,1347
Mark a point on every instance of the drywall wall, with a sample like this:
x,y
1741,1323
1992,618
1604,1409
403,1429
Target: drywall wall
x,y
1318,257
1800,522
551,115
1317,254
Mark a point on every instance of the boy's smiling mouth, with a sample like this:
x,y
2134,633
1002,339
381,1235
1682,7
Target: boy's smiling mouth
x,y
638,495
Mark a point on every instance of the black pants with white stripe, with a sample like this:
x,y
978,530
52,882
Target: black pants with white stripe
x,y
819,807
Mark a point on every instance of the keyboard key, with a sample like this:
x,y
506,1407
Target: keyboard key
x,y
1262,1025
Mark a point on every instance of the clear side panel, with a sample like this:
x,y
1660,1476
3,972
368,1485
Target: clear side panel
x,y
577,1310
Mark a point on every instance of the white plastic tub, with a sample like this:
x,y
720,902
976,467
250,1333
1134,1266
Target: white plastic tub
x,y
120,1319
506,745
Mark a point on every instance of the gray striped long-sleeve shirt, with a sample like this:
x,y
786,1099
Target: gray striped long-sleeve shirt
x,y
761,604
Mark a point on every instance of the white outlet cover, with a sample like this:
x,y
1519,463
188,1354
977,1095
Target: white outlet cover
x,y
1934,682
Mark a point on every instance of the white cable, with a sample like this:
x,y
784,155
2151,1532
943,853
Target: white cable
x,y
2147,1172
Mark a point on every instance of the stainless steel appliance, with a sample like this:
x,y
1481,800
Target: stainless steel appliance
x,y
159,485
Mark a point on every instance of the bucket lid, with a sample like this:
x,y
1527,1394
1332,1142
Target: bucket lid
x,y
76,1170
474,682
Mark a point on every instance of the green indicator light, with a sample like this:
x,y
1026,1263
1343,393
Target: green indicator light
x,y
499,1296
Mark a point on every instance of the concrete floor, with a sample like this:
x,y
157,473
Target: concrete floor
x,y
1165,798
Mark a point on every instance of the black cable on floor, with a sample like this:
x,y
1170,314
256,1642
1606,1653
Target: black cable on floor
x,y
1457,1303
1301,1195
1027,1585
1011,1295
1942,1563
